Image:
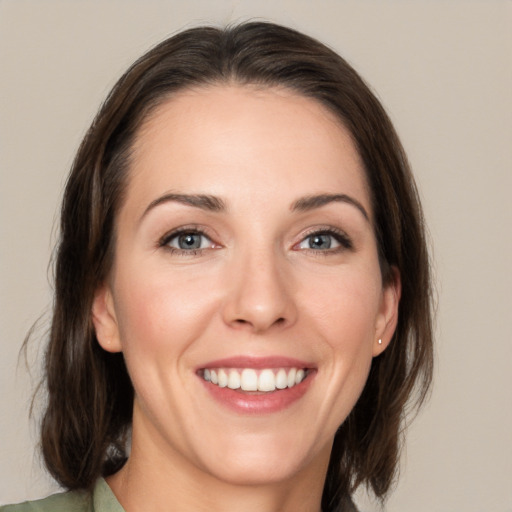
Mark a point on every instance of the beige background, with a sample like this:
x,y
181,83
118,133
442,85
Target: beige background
x,y
442,69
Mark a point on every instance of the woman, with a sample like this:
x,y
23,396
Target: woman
x,y
242,307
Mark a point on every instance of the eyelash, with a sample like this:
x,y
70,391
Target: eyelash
x,y
344,241
339,236
186,230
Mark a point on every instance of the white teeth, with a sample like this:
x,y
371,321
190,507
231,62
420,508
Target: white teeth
x,y
249,379
234,379
291,377
267,381
223,378
281,379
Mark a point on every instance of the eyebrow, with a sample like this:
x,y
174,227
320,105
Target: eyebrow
x,y
216,204
202,201
311,202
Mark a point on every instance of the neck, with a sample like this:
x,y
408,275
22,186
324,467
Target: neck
x,y
154,479
137,493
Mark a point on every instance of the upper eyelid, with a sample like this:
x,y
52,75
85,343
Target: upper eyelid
x,y
165,242
206,231
325,230
345,239
169,235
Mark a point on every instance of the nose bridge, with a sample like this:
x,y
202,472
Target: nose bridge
x,y
260,287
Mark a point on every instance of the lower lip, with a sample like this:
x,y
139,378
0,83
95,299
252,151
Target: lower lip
x,y
258,403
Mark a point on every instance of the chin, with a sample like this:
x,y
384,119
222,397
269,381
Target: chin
x,y
266,463
257,472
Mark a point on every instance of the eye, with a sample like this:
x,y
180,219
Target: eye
x,y
319,241
325,241
187,241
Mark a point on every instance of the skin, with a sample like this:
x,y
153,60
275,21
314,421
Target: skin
x,y
256,288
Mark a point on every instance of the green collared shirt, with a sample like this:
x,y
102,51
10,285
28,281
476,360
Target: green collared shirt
x,y
101,500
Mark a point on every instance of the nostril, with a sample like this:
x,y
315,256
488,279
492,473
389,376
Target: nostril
x,y
241,322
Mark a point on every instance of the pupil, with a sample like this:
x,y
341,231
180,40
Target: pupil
x,y
320,242
189,241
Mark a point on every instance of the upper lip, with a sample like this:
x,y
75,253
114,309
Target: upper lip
x,y
257,362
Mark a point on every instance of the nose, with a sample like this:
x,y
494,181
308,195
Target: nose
x,y
260,294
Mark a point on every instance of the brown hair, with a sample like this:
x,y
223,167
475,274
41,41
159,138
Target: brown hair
x,y
90,396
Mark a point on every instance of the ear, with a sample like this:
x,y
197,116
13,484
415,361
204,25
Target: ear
x,y
105,321
387,318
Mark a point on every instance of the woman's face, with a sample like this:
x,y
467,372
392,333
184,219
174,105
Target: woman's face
x,y
245,256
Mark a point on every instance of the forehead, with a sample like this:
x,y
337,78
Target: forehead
x,y
225,139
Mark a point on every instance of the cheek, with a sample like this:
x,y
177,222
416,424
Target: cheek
x,y
159,318
345,318
160,314
346,307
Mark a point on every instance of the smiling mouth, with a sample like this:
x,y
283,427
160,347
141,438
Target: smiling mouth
x,y
264,380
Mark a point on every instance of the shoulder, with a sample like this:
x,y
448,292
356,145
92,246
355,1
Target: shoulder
x,y
102,499
61,502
